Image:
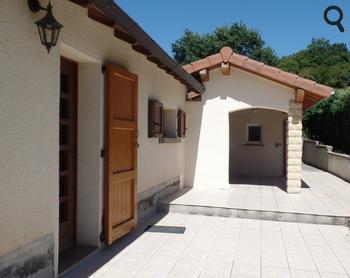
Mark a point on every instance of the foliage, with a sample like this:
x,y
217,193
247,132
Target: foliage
x,y
329,121
321,61
329,64
193,46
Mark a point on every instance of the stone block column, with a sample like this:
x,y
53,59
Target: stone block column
x,y
294,147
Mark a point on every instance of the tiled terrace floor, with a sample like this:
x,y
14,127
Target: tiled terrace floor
x,y
322,194
185,245
224,247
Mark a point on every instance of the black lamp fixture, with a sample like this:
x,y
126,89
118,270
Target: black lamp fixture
x,y
48,27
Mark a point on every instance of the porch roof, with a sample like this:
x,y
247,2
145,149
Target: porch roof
x,y
125,28
314,92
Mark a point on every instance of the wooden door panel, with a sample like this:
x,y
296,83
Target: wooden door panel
x,y
124,124
123,101
122,192
121,153
123,176
122,150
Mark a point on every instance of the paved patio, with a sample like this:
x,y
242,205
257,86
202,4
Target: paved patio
x,y
187,245
201,246
325,199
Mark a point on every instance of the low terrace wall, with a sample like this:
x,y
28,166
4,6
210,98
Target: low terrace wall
x,y
323,157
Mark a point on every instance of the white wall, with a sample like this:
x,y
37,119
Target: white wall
x,y
29,110
256,160
98,42
207,142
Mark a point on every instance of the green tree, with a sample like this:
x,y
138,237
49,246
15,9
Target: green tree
x,y
329,64
329,121
243,40
321,61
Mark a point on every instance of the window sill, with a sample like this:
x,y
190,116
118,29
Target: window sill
x,y
254,145
165,140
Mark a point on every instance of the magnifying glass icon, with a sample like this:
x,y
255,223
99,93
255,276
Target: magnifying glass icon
x,y
336,22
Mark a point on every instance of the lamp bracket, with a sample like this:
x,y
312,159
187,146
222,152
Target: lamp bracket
x,y
34,6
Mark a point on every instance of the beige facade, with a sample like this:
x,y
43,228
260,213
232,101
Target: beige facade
x,y
207,141
29,151
29,109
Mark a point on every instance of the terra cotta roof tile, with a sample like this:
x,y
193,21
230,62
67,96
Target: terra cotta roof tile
x,y
314,91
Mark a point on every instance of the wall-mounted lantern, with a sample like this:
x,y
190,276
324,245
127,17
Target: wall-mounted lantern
x,y
48,27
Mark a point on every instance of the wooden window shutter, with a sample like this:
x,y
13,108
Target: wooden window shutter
x,y
155,119
181,124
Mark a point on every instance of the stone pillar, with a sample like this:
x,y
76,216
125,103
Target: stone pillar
x,y
294,147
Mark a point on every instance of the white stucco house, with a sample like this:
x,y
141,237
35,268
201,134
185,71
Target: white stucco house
x,y
247,123
96,130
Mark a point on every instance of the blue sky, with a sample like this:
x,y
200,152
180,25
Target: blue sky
x,y
286,26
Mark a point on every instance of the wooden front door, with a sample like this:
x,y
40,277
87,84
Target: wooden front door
x,y
121,153
67,157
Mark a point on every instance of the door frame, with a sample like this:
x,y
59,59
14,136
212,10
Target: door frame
x,y
75,166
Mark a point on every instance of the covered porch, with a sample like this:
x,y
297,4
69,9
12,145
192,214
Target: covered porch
x,y
324,199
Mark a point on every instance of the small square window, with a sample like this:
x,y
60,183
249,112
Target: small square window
x,y
254,134
155,119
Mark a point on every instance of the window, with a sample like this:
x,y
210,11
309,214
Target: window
x,y
155,119
254,134
169,125
181,124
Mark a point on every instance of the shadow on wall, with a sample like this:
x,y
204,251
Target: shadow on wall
x,y
257,143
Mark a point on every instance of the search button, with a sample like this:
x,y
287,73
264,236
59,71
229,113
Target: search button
x,y
336,22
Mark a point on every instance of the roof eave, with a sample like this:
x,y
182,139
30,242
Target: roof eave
x,y
120,18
